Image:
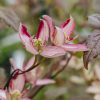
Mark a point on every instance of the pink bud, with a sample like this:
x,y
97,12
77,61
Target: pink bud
x,y
68,27
50,23
43,31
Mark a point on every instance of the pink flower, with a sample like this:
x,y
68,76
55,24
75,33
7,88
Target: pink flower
x,y
38,45
32,76
18,82
59,38
15,95
16,88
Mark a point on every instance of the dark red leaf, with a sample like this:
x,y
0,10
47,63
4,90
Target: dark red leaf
x,y
93,43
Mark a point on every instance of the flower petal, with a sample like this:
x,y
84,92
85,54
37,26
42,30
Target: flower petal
x,y
12,62
17,60
68,27
59,37
30,48
52,51
25,99
44,81
74,47
31,75
43,31
17,83
49,20
30,63
25,36
27,39
3,95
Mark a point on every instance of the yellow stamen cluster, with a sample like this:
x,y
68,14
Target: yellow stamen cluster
x,y
15,95
38,44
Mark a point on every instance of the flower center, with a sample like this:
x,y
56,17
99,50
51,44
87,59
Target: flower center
x,y
68,38
15,95
38,44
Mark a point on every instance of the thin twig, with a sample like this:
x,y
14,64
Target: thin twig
x,y
34,91
11,76
62,68
20,72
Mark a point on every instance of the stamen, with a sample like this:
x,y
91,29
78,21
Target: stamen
x,y
38,44
15,95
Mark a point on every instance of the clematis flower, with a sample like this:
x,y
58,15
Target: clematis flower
x,y
15,93
17,83
5,95
61,36
32,76
16,86
38,45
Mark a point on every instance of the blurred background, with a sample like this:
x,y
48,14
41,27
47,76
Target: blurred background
x,y
75,83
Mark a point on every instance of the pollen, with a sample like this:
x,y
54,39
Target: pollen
x,y
15,95
38,44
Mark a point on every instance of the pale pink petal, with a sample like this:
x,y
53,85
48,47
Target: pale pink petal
x,y
59,37
12,62
25,99
18,59
30,48
52,51
44,81
31,75
68,27
26,39
30,63
74,47
24,34
43,31
50,24
14,65
3,95
17,83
